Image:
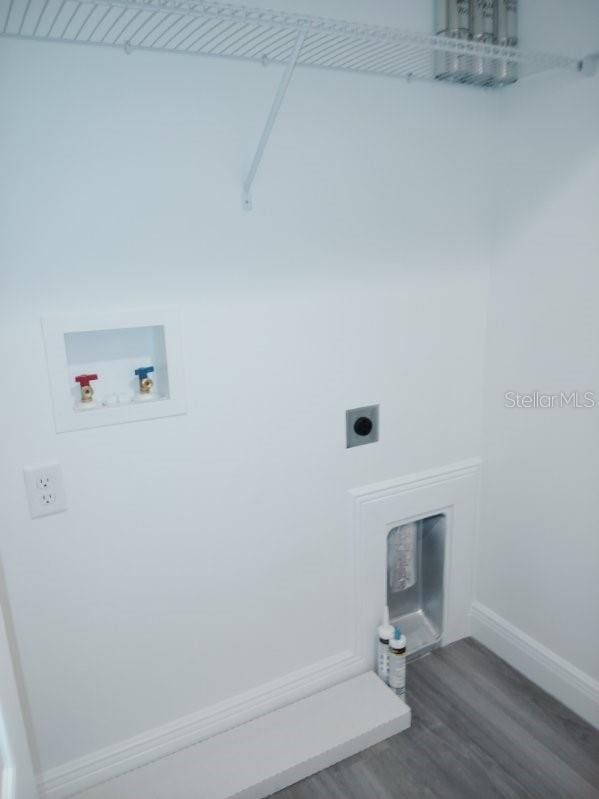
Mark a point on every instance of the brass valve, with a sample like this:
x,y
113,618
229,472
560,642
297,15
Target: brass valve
x,y
146,384
87,394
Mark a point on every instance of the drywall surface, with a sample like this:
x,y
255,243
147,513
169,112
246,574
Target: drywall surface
x,y
17,779
205,555
539,548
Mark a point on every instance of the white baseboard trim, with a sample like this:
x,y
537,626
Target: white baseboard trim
x,y
557,676
78,775
266,755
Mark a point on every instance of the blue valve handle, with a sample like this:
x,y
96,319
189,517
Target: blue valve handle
x,y
144,371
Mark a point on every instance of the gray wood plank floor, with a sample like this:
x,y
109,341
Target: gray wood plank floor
x,y
479,729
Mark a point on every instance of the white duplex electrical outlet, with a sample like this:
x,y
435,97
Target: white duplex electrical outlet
x,y
45,490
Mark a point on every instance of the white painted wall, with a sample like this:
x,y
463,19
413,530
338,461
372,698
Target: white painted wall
x,y
17,778
539,549
360,277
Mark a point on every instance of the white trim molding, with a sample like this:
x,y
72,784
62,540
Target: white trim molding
x,y
78,775
450,490
410,482
268,754
557,676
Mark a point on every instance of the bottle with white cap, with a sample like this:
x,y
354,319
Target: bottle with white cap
x,y
397,663
384,633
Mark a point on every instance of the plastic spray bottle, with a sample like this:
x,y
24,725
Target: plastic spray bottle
x,y
385,633
397,664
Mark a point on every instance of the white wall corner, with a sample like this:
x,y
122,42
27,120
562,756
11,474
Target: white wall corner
x,y
557,676
97,767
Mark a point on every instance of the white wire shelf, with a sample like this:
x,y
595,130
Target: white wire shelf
x,y
219,29
194,27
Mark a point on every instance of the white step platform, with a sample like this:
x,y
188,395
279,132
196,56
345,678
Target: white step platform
x,y
272,752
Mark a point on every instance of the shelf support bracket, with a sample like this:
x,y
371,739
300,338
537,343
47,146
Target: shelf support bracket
x,y
272,117
589,65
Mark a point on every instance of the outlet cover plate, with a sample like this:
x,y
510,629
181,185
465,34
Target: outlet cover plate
x,y
362,426
45,490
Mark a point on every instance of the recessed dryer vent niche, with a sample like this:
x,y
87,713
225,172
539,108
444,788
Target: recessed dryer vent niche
x,y
415,581
114,370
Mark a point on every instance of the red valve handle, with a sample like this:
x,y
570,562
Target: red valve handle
x,y
83,380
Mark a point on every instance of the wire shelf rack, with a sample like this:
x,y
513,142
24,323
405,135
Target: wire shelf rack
x,y
195,27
